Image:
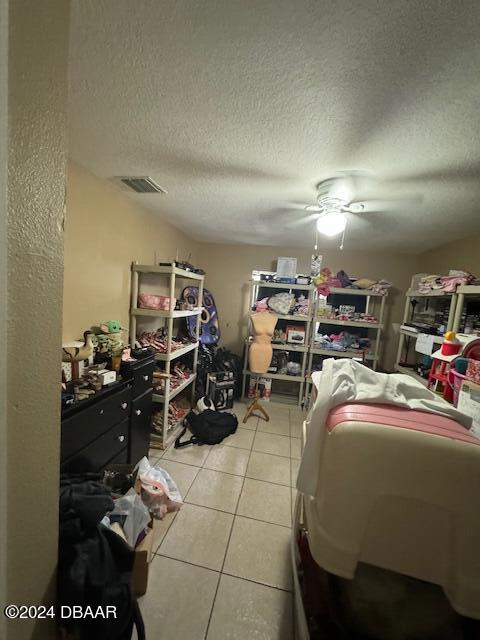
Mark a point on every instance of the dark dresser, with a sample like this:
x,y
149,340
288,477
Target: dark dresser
x,y
140,374
95,432
111,427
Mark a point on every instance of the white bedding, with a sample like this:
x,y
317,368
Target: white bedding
x,y
345,380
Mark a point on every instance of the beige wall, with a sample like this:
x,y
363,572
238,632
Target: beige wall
x,y
3,302
105,231
461,254
229,268
37,92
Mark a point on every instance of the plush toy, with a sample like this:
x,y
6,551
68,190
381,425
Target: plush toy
x,y
112,326
321,281
108,338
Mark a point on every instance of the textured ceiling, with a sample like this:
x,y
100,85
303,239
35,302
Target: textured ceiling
x,y
239,107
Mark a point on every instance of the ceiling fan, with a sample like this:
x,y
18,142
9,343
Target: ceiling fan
x,y
350,193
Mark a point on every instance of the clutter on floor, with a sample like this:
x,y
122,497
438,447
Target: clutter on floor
x,y
207,425
88,549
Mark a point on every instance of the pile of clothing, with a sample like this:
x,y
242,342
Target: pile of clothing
x,y
342,341
326,281
284,304
94,563
447,284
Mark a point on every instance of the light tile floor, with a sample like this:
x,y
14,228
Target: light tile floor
x,y
222,568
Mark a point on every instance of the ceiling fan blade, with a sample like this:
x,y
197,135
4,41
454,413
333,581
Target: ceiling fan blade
x,y
467,171
380,205
302,220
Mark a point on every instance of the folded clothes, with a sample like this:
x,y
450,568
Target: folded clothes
x,y
448,283
430,283
455,279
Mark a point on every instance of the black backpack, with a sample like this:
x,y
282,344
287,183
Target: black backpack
x,y
208,427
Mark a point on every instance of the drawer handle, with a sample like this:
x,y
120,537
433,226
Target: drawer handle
x,y
124,405
121,438
145,378
138,412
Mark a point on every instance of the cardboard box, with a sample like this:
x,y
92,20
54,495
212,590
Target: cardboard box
x,y
107,377
143,557
143,553
295,335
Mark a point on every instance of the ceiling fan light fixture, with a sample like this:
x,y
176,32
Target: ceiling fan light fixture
x,y
331,224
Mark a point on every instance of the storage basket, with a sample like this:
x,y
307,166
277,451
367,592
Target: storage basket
x,y
159,303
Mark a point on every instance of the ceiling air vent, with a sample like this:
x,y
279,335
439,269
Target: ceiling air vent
x,y
141,184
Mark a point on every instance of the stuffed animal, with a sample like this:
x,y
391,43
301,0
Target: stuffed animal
x,y
321,281
108,338
112,326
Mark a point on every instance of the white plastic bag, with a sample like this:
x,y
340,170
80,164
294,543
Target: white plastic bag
x,y
137,515
159,491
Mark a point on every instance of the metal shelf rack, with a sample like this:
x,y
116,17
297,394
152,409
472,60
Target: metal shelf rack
x,y
370,357
171,275
298,381
410,332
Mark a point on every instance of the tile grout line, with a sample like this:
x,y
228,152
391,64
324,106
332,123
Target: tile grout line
x,y
240,515
190,464
190,564
223,573
235,514
236,475
264,584
228,544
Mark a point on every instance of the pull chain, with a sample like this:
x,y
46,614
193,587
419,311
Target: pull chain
x,y
343,238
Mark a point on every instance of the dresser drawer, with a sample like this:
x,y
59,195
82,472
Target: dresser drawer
x,y
88,424
142,379
139,438
101,451
140,373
